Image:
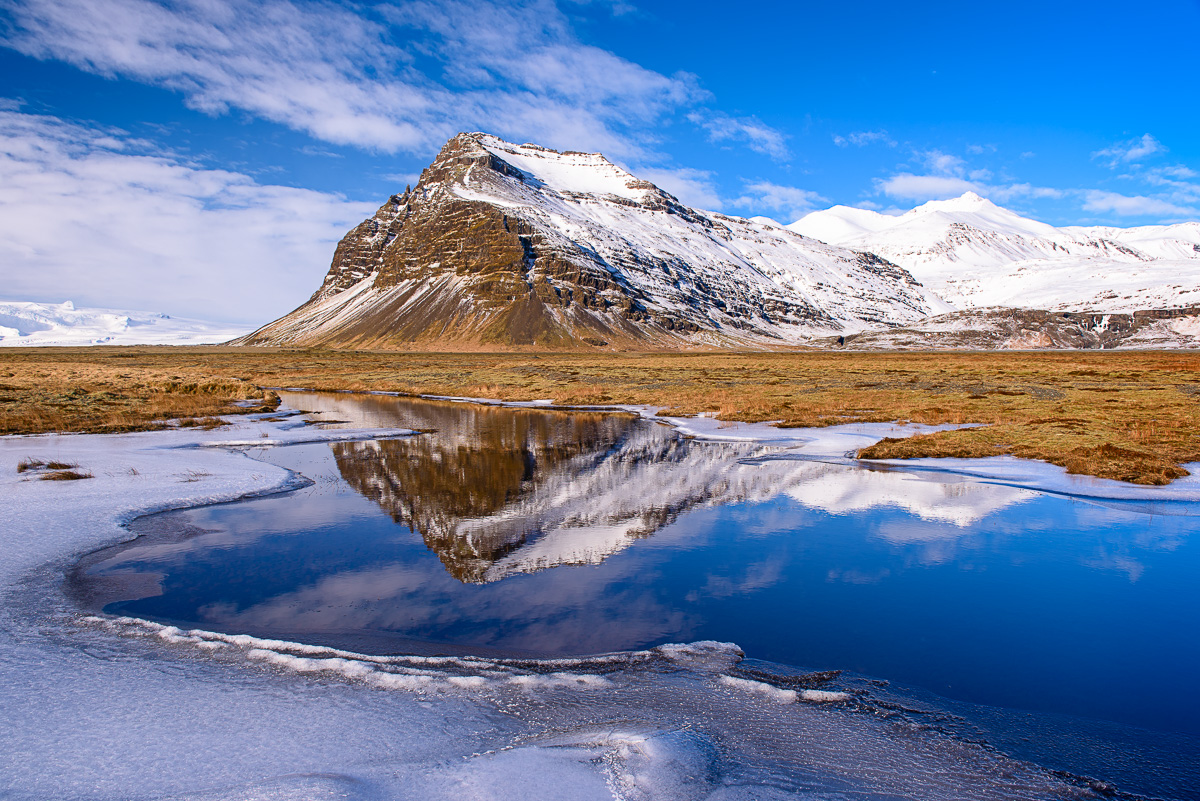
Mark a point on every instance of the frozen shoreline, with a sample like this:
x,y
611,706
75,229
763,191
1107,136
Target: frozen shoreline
x,y
155,712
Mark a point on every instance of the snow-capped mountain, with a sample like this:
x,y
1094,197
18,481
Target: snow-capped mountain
x,y
976,254
24,324
503,244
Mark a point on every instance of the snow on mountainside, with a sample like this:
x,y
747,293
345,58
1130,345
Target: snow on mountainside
x,y
24,324
518,245
976,254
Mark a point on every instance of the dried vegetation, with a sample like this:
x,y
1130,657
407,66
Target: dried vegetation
x,y
1133,416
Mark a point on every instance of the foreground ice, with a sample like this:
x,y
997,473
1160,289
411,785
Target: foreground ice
x,y
95,707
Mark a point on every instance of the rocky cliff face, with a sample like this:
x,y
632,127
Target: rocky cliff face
x,y
502,245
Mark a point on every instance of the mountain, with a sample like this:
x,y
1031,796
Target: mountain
x,y
975,254
504,245
25,324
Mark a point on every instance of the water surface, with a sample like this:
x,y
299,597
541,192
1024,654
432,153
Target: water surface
x,y
551,533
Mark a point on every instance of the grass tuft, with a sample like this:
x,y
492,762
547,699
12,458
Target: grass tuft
x,y
65,475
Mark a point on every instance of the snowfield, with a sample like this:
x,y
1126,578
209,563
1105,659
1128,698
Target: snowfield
x,y
25,324
95,707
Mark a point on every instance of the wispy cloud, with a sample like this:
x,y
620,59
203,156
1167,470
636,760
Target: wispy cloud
x,y
694,187
948,175
1136,206
864,138
908,186
943,163
1130,151
89,214
387,77
788,201
757,135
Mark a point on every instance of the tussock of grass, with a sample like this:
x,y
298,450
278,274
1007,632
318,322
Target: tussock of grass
x,y
65,475
1134,416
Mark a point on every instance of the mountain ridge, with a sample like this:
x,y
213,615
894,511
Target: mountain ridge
x,y
521,246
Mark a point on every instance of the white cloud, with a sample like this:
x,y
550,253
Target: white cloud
x,y
864,138
1175,181
1136,206
757,135
1130,151
694,187
389,78
948,176
1026,190
792,202
925,187
86,215
943,163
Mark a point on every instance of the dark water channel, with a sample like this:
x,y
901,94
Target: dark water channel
x,y
553,533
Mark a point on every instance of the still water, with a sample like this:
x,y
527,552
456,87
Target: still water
x,y
547,533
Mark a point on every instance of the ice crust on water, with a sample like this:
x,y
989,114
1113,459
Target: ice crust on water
x,y
117,708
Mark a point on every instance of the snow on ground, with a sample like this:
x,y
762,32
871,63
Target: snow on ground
x,y
94,707
25,324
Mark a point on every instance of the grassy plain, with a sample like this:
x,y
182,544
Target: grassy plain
x,y
1133,416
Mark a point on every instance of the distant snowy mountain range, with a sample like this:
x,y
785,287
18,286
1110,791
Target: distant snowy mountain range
x,y
25,324
975,254
503,246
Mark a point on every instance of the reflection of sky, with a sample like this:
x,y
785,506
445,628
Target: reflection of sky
x,y
975,591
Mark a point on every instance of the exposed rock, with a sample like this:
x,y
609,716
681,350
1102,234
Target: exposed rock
x,y
500,245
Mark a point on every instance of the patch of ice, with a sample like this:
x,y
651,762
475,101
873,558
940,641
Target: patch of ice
x,y
776,694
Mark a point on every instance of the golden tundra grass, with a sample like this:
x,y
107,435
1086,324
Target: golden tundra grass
x,y
1133,416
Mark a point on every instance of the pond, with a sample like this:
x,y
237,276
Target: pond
x,y
544,533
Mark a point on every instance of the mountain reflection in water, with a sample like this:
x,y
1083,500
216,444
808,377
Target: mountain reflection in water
x,y
497,491
560,533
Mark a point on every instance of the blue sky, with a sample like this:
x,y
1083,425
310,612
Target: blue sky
x,y
203,157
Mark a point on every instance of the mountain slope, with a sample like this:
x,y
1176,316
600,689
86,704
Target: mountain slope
x,y
976,254
518,246
24,324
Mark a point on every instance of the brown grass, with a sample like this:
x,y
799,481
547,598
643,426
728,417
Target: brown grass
x,y
1133,416
65,475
